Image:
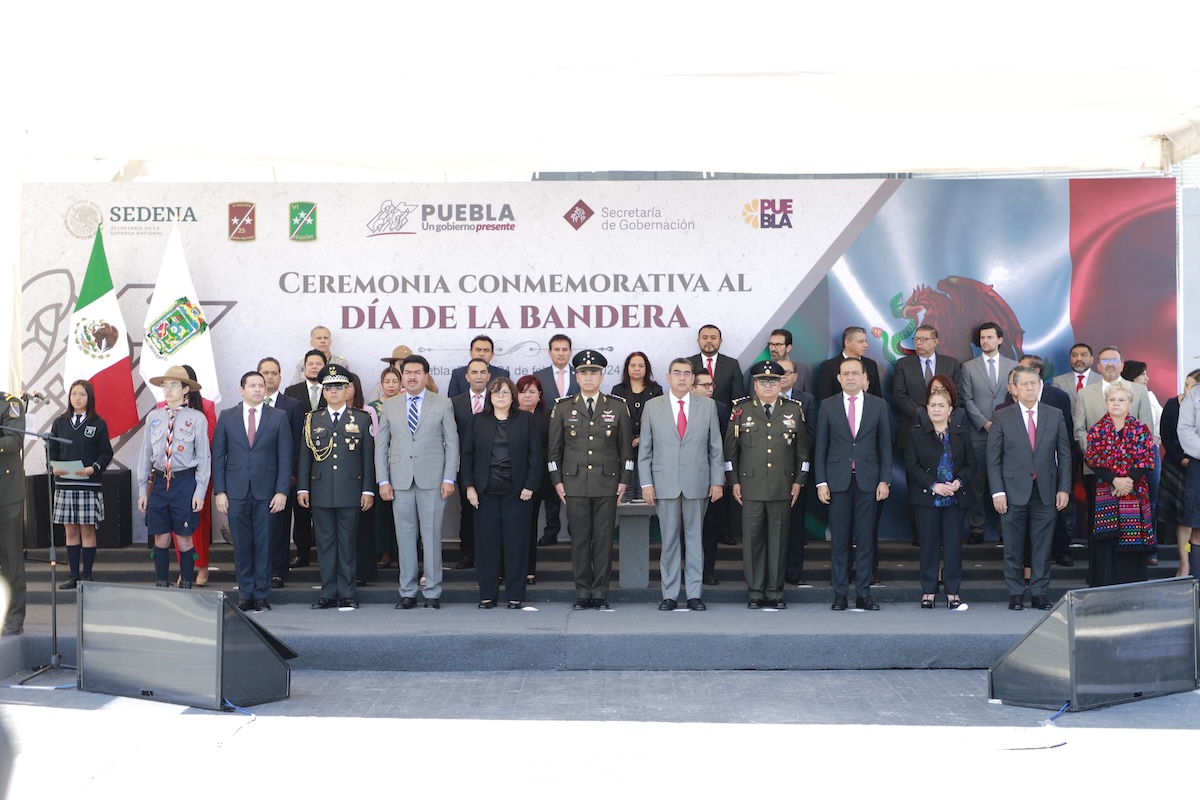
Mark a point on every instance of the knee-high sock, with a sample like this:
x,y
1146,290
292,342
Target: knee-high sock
x,y
187,565
162,563
89,558
73,558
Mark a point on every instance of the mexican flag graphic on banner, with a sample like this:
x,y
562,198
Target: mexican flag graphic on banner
x,y
98,346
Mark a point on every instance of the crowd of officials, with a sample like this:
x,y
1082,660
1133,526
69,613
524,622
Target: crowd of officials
x,y
365,477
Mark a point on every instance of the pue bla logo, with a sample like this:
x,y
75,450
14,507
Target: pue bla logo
x,y
768,213
241,222
302,222
578,215
392,219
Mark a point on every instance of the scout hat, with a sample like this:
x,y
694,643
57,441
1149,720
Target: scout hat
x,y
176,374
399,353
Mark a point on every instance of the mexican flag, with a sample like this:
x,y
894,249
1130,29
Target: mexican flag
x,y
98,346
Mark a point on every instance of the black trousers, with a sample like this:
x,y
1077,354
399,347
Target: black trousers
x,y
941,534
502,528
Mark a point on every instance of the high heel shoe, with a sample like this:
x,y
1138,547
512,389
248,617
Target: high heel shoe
x,y
927,602
953,604
201,577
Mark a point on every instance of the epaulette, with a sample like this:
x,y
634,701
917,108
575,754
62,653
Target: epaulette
x,y
742,399
568,397
9,398
617,397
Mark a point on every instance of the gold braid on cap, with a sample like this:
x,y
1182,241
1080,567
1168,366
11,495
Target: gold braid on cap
x,y
322,453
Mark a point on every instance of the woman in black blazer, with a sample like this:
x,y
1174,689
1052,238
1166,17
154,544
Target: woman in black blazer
x,y
78,502
502,457
940,463
529,398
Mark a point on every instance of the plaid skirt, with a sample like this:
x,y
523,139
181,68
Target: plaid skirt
x,y
78,507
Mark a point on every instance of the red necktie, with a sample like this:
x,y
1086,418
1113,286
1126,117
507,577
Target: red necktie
x,y
250,428
710,370
681,421
1078,382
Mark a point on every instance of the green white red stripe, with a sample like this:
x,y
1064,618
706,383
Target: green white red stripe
x,y
98,346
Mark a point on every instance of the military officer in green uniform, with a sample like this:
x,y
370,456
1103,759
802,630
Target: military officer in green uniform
x,y
766,452
336,478
12,503
591,462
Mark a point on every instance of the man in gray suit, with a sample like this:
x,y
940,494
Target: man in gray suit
x,y
417,442
984,386
1081,373
1029,469
679,459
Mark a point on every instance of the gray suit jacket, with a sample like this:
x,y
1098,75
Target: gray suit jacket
x,y
550,388
1067,382
1012,463
688,466
978,398
425,459
1090,407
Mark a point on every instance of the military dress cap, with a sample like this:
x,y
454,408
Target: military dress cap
x,y
766,370
588,359
176,374
333,374
399,353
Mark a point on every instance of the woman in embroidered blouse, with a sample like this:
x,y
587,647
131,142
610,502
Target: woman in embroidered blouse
x,y
1121,451
940,463
78,502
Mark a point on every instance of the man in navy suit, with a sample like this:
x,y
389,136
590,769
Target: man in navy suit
x,y
725,371
466,406
789,389
1029,471
281,531
852,463
481,347
559,371
310,397
854,345
252,460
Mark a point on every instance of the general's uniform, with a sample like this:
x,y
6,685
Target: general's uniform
x,y
12,502
590,455
337,466
766,455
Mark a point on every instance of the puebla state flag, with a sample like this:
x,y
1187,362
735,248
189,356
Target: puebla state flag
x,y
176,331
98,347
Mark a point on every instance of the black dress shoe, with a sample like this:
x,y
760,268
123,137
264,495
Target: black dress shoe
x,y
779,604
600,602
13,629
696,604
668,605
1064,561
728,540
407,603
323,603
547,540
162,585
487,603
348,602
298,562
793,578
756,602
185,584
839,603
709,579
1041,603
276,582
262,605
69,583
866,603
975,538
466,563
246,605
581,603
1016,603
433,602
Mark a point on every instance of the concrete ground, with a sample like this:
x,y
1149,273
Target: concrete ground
x,y
593,734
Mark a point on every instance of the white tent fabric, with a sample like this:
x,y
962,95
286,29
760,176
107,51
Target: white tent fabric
x,y
394,91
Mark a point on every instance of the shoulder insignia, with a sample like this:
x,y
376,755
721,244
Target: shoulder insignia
x,y
616,397
561,399
742,399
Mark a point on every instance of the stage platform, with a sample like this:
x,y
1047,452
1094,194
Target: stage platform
x,y
634,635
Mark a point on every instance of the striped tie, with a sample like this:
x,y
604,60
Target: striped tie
x,y
170,438
412,413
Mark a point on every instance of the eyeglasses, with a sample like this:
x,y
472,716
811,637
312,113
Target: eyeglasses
x,y
767,381
171,385
924,339
334,387
502,393
1110,361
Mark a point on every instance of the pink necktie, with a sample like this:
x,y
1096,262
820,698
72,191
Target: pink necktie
x,y
1078,383
562,383
853,427
1032,436
250,429
476,403
681,421
710,370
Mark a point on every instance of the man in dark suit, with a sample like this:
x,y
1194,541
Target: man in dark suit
x,y
467,405
1064,523
1028,463
725,371
252,460
716,516
779,346
590,454
481,347
281,531
984,386
683,470
796,534
559,372
12,506
854,345
852,463
1081,373
310,397
913,374
336,479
